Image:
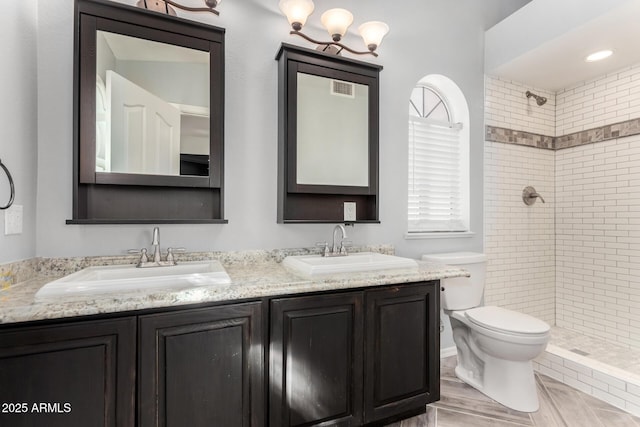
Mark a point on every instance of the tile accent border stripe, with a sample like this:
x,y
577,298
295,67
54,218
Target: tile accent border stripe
x,y
602,133
517,137
589,136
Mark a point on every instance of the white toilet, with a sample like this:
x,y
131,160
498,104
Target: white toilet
x,y
495,346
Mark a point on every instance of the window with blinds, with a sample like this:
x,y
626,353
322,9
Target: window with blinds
x,y
436,167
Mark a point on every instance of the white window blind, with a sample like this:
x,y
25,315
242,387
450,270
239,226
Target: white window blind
x,y
435,173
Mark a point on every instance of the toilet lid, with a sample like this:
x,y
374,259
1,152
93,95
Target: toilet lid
x,y
503,320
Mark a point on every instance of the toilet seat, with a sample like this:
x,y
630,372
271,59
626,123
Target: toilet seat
x,y
505,321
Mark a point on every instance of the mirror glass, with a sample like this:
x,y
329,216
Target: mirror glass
x,y
332,145
152,107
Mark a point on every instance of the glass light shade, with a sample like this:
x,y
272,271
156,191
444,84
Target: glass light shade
x,y
336,21
296,11
372,33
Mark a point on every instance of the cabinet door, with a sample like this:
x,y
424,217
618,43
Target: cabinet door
x,y
202,367
402,350
315,361
74,374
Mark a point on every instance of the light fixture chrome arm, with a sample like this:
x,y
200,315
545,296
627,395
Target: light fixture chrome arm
x,y
332,43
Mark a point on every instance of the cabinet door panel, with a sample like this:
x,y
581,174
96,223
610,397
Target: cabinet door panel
x,y
402,350
316,361
71,374
202,367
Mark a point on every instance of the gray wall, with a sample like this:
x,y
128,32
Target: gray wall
x,y
18,121
438,36
434,37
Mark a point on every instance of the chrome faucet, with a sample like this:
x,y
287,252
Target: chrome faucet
x,y
157,255
336,250
334,247
156,245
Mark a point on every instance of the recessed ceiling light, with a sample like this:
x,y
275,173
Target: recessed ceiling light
x,y
598,56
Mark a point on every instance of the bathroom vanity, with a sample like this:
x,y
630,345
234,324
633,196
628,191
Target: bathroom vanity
x,y
270,348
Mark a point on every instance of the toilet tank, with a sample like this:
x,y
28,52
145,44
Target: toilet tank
x,y
461,293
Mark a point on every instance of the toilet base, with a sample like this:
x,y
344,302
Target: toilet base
x,y
509,383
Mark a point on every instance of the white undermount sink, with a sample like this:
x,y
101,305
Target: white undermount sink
x,y
123,278
314,265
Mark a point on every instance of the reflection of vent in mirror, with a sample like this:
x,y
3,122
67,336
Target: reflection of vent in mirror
x,y
341,88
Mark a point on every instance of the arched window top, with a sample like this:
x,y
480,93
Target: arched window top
x,y
427,103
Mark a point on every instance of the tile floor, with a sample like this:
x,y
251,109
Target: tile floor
x,y
560,405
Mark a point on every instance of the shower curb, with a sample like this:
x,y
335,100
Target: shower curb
x,y
610,384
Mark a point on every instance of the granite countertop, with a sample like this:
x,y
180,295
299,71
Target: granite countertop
x,y
254,274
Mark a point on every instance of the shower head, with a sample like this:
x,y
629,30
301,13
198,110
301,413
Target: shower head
x,y
540,100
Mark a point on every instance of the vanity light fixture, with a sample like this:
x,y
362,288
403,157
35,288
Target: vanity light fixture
x,y
164,6
599,56
336,21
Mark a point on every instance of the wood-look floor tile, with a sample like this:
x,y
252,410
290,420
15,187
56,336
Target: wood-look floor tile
x,y
560,406
458,388
614,418
449,418
421,420
483,408
570,405
548,414
594,403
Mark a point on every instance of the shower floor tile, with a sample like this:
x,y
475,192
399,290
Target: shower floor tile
x,y
461,405
597,349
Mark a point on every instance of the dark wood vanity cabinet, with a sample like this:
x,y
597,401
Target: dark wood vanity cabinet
x,y
78,374
345,358
354,358
402,350
316,360
201,367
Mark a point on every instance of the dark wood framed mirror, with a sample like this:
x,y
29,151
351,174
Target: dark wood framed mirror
x,y
328,137
148,117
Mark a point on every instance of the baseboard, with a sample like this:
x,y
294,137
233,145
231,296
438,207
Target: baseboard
x,y
448,352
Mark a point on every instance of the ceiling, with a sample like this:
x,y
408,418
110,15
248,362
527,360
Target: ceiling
x,y
558,60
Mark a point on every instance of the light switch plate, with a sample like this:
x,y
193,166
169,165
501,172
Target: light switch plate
x,y
349,211
13,220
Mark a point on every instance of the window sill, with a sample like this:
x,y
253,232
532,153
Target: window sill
x,y
439,235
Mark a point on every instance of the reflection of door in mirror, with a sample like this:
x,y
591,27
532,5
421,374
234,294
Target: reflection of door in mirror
x,y
145,130
152,114
332,132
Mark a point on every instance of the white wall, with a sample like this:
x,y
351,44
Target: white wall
x,y
18,120
507,106
426,38
605,100
598,212
593,190
519,239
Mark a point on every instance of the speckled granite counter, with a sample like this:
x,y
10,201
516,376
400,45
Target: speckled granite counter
x,y
254,274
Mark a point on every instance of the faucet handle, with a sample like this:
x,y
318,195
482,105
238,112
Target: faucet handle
x,y
324,245
344,245
143,254
170,252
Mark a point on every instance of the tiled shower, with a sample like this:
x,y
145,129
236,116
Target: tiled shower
x,y
573,261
